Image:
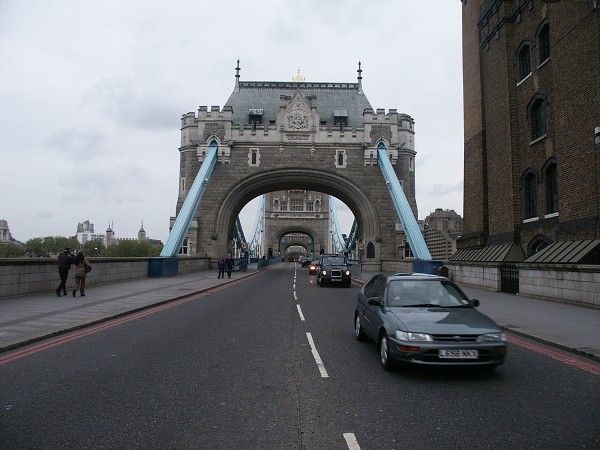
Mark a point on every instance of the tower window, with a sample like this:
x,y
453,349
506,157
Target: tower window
x,y
537,117
254,157
340,158
543,40
524,61
530,196
340,118
296,204
551,189
255,117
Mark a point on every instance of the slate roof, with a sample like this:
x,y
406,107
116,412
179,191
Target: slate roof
x,y
265,95
585,251
490,253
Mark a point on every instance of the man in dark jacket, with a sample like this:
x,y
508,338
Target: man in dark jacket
x,y
229,263
65,259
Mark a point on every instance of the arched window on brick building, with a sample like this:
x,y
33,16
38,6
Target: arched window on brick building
x,y
523,61
550,186
529,190
543,42
536,114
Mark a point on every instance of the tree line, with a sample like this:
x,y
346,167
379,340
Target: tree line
x,y
53,245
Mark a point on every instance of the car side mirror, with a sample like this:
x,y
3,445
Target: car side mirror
x,y
374,301
475,302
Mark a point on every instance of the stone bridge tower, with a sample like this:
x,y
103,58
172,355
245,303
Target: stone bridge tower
x,y
298,136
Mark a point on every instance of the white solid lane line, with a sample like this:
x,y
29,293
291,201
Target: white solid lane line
x,y
318,360
351,441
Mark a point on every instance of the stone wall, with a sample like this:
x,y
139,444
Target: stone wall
x,y
22,276
577,284
573,284
480,274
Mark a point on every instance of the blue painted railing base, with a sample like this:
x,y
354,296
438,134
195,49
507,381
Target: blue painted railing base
x,y
160,266
430,267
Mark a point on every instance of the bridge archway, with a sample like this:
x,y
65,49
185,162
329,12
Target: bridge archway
x,y
293,178
296,236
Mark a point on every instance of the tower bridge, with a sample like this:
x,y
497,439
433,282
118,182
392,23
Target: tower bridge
x,y
299,137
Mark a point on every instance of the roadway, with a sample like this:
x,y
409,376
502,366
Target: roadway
x,y
268,360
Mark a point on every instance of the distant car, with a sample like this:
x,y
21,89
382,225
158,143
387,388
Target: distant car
x,y
426,319
334,269
304,261
313,267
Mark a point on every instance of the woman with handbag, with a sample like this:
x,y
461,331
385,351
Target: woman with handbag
x,y
82,267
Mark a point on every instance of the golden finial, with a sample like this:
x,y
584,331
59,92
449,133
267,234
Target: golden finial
x,y
298,78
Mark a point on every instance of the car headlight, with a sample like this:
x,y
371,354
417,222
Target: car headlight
x,y
347,273
413,337
323,272
492,337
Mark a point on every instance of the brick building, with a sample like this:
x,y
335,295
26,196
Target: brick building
x,y
531,109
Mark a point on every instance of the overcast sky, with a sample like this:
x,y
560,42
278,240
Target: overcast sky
x,y
92,93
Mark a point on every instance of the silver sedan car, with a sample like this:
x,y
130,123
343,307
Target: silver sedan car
x,y
426,319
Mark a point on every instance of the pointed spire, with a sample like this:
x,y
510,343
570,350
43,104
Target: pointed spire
x,y
237,76
142,233
359,78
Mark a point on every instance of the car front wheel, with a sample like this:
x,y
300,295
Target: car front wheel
x,y
384,352
358,330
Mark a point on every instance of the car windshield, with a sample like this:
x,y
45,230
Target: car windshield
x,y
334,260
406,293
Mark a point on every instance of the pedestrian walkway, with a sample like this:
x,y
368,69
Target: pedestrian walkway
x,y
29,318
33,317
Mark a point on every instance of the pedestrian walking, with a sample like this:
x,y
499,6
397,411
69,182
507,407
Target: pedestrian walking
x,y
65,259
244,262
221,266
229,263
82,267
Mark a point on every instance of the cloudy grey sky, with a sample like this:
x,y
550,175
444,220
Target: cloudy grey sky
x,y
92,92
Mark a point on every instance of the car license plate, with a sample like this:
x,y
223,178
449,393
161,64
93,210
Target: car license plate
x,y
458,354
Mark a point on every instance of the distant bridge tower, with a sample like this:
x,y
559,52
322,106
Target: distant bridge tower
x,y
297,217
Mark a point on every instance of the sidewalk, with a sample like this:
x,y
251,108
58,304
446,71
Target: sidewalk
x,y
26,319
30,318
